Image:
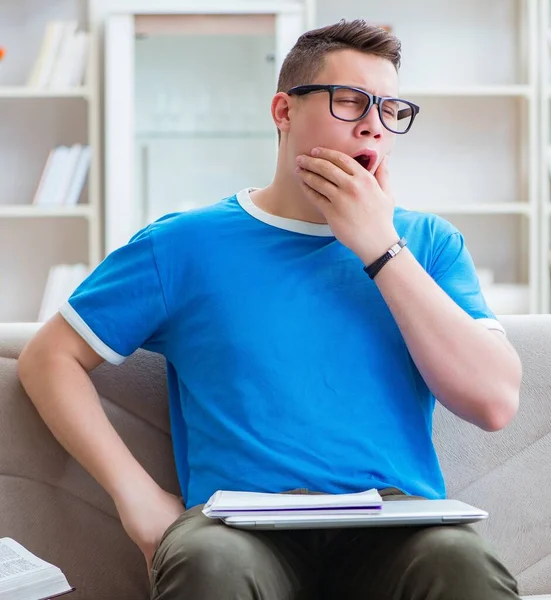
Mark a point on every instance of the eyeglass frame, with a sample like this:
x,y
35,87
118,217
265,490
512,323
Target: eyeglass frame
x,y
303,90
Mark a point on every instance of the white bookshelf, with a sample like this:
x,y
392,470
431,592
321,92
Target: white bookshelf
x,y
545,152
33,238
473,153
22,211
18,92
513,91
505,208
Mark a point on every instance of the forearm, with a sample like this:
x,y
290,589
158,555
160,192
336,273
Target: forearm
x,y
67,401
471,370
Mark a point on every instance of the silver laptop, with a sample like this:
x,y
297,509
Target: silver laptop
x,y
393,513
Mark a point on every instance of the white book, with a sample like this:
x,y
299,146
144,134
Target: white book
x,y
44,176
60,75
24,576
54,177
49,49
78,68
80,172
65,175
227,504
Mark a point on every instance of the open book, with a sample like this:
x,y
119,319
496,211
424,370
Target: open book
x,y
24,576
227,504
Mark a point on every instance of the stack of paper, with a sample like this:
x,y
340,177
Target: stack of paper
x,y
227,504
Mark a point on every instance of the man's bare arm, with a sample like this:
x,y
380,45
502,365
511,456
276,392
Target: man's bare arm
x,y
53,369
474,372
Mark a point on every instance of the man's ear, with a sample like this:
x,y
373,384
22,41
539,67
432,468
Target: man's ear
x,y
280,111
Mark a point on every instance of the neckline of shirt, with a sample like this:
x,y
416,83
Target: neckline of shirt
x,y
294,225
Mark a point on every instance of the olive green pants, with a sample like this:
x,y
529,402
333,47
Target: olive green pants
x,y
203,559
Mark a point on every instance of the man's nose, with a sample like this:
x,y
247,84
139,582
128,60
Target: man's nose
x,y
371,124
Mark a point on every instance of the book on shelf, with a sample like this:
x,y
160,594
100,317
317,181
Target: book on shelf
x,y
62,57
63,176
61,282
24,576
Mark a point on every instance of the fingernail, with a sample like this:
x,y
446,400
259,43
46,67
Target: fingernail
x,y
315,152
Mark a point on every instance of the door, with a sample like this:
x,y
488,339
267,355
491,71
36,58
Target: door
x,y
188,117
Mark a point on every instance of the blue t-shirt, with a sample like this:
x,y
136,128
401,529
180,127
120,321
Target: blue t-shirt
x,y
286,368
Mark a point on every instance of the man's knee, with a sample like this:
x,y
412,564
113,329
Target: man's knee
x,y
450,547
455,557
208,562
214,550
210,551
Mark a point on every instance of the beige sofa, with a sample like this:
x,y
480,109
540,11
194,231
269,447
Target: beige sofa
x,y
52,506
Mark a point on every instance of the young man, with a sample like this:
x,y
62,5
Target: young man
x,y
289,365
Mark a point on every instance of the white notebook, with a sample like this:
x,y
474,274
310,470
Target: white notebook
x,y
226,504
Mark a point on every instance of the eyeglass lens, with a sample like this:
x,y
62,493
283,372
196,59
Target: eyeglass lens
x,y
350,105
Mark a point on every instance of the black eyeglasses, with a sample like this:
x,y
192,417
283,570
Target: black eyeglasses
x,y
352,104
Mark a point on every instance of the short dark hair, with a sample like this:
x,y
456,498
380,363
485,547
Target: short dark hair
x,y
307,57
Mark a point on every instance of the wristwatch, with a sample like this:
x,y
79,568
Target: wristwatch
x,y
375,267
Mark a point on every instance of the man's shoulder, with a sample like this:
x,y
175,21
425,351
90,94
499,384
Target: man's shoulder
x,y
195,228
211,215
428,226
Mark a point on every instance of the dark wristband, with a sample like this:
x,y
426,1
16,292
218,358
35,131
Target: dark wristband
x,y
373,269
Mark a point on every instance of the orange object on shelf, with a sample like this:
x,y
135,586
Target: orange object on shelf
x,y
2,52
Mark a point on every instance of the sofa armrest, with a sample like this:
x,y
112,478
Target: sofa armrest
x,y
50,504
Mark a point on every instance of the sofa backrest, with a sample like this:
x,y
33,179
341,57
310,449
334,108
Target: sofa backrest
x,y
507,472
52,506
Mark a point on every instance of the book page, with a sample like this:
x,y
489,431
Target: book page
x,y
15,560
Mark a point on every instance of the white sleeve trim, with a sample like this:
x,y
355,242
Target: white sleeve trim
x,y
493,324
81,327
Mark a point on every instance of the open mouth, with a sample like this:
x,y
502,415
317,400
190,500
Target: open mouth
x,y
363,160
366,159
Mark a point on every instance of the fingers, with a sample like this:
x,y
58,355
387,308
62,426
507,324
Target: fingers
x,y
317,199
339,159
317,182
324,168
382,175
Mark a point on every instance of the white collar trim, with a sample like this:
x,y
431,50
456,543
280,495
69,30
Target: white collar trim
x,y
304,227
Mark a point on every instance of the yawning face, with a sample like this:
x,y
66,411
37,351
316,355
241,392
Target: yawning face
x,y
309,123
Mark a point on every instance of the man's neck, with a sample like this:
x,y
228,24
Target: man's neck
x,y
285,198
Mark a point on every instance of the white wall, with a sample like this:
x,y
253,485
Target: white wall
x,y
443,41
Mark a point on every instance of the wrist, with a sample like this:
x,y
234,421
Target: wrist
x,y
377,248
373,269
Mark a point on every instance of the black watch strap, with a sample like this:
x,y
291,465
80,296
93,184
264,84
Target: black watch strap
x,y
375,267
